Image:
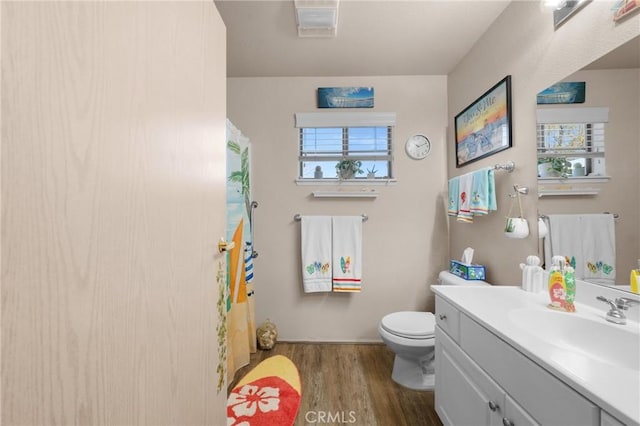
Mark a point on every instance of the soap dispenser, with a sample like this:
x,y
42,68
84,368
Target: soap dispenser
x,y
557,285
634,281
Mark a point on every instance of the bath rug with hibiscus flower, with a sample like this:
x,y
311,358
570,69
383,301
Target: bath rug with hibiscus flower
x,y
268,395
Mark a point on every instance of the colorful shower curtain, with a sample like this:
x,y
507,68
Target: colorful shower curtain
x,y
241,328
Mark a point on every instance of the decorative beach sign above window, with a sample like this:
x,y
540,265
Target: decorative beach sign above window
x,y
563,93
484,127
345,97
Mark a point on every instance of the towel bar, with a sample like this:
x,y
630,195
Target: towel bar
x,y
509,166
615,215
298,217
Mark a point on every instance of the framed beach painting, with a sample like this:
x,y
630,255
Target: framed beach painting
x,y
484,127
345,97
571,92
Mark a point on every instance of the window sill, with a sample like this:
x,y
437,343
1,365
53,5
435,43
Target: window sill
x,y
346,182
346,194
581,179
567,192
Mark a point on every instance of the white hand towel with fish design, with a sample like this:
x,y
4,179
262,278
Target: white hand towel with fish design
x,y
316,253
347,253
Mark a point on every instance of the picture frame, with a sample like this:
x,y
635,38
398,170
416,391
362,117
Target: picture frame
x,y
345,97
569,92
624,8
566,10
484,127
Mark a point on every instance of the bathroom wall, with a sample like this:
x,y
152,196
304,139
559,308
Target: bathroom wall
x,y
405,238
113,198
522,43
620,91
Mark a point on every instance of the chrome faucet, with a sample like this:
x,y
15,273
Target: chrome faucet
x,y
615,314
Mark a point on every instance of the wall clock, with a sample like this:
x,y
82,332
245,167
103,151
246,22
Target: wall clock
x,y
418,147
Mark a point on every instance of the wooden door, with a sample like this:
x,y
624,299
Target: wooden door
x,y
113,163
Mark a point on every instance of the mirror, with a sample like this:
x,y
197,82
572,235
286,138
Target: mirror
x,y
583,183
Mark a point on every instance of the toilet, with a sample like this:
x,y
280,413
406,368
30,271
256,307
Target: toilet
x,y
410,335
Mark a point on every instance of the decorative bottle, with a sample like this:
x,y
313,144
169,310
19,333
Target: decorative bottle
x,y
634,281
570,283
557,285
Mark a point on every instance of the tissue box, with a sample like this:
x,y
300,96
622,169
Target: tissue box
x,y
468,272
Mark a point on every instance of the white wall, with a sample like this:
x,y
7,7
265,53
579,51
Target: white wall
x,y
522,43
405,238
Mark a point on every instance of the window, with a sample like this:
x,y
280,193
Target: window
x,y
325,149
573,148
332,144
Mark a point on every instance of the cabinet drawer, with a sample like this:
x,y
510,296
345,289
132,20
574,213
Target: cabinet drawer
x,y
447,317
548,400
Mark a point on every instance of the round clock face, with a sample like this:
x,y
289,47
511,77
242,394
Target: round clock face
x,y
418,147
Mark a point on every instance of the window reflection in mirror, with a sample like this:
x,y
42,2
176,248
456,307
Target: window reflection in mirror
x,y
571,149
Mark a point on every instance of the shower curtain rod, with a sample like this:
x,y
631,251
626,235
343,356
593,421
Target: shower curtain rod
x,y
298,217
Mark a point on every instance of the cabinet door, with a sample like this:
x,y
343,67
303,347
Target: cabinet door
x,y
546,398
514,415
607,420
464,395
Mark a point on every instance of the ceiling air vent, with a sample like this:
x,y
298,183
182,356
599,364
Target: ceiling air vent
x,y
317,18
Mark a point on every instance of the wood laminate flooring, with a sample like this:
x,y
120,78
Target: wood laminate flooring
x,y
350,384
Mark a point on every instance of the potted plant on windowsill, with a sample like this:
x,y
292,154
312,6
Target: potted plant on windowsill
x,y
371,173
553,167
347,169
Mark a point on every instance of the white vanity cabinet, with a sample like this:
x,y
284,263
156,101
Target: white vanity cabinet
x,y
482,380
466,395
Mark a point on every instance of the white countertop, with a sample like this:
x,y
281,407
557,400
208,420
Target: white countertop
x,y
613,388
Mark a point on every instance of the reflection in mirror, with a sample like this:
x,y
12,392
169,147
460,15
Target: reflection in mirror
x,y
565,10
589,155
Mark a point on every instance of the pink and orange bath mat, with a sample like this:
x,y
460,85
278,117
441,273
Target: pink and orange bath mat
x,y
268,395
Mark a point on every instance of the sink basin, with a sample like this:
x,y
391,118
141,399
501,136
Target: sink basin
x,y
613,344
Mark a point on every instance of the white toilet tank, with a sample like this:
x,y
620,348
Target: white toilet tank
x,y
447,278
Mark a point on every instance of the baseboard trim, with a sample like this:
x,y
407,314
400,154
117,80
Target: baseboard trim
x,y
334,341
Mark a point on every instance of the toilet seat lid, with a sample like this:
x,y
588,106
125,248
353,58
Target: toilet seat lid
x,y
410,324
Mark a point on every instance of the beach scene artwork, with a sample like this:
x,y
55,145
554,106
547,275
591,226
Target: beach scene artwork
x,y
563,93
484,127
345,97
